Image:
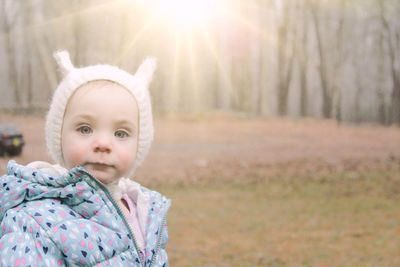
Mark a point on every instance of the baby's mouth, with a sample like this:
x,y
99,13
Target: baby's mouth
x,y
98,165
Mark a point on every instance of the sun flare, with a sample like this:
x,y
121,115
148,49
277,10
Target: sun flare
x,y
188,13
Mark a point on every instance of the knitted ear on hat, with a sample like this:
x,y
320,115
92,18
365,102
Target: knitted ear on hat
x,y
63,61
145,71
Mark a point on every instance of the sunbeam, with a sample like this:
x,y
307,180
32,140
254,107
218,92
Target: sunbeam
x,y
186,14
127,47
193,73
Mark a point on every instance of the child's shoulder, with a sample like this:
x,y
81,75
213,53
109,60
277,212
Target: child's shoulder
x,y
133,189
152,192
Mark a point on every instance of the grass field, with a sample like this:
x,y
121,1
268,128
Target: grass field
x,y
269,192
324,221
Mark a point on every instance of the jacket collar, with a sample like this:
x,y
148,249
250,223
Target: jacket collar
x,y
36,176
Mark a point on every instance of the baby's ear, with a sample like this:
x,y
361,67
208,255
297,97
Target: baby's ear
x,y
145,71
63,61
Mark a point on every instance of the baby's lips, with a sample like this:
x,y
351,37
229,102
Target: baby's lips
x,y
99,164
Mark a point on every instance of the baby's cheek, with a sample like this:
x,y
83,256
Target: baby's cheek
x,y
127,160
74,156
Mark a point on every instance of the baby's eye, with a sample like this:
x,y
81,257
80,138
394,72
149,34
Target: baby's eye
x,y
85,130
121,134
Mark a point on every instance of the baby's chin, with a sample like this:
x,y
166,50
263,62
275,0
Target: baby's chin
x,y
105,176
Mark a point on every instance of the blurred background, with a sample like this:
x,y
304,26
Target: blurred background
x,y
319,58
277,121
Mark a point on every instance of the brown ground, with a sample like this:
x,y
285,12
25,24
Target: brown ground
x,y
197,149
269,192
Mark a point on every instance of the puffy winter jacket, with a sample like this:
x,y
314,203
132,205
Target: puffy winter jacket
x,y
72,220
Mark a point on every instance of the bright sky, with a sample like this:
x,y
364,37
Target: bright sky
x,y
185,14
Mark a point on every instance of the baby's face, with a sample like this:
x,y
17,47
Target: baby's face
x,y
100,130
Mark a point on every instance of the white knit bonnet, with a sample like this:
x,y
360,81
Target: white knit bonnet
x,y
73,78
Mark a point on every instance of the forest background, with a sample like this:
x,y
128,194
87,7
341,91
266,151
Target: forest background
x,y
335,59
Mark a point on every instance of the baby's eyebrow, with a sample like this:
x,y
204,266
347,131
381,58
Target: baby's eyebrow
x,y
125,122
84,117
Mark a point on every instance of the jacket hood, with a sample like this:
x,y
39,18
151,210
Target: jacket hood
x,y
23,183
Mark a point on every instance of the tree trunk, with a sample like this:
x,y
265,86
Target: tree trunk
x,y
338,65
255,59
391,40
9,21
303,62
27,17
326,96
396,100
382,117
285,58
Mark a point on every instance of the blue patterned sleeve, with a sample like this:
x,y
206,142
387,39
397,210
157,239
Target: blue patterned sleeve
x,y
22,243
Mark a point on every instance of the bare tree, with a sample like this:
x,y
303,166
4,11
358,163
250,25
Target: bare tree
x,y
330,55
393,43
285,35
41,46
10,13
359,60
381,62
26,77
302,56
255,58
78,7
323,71
338,61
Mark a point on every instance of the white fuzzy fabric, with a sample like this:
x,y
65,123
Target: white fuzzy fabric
x,y
50,169
74,78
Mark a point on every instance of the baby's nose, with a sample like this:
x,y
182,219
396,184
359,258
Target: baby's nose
x,y
102,144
